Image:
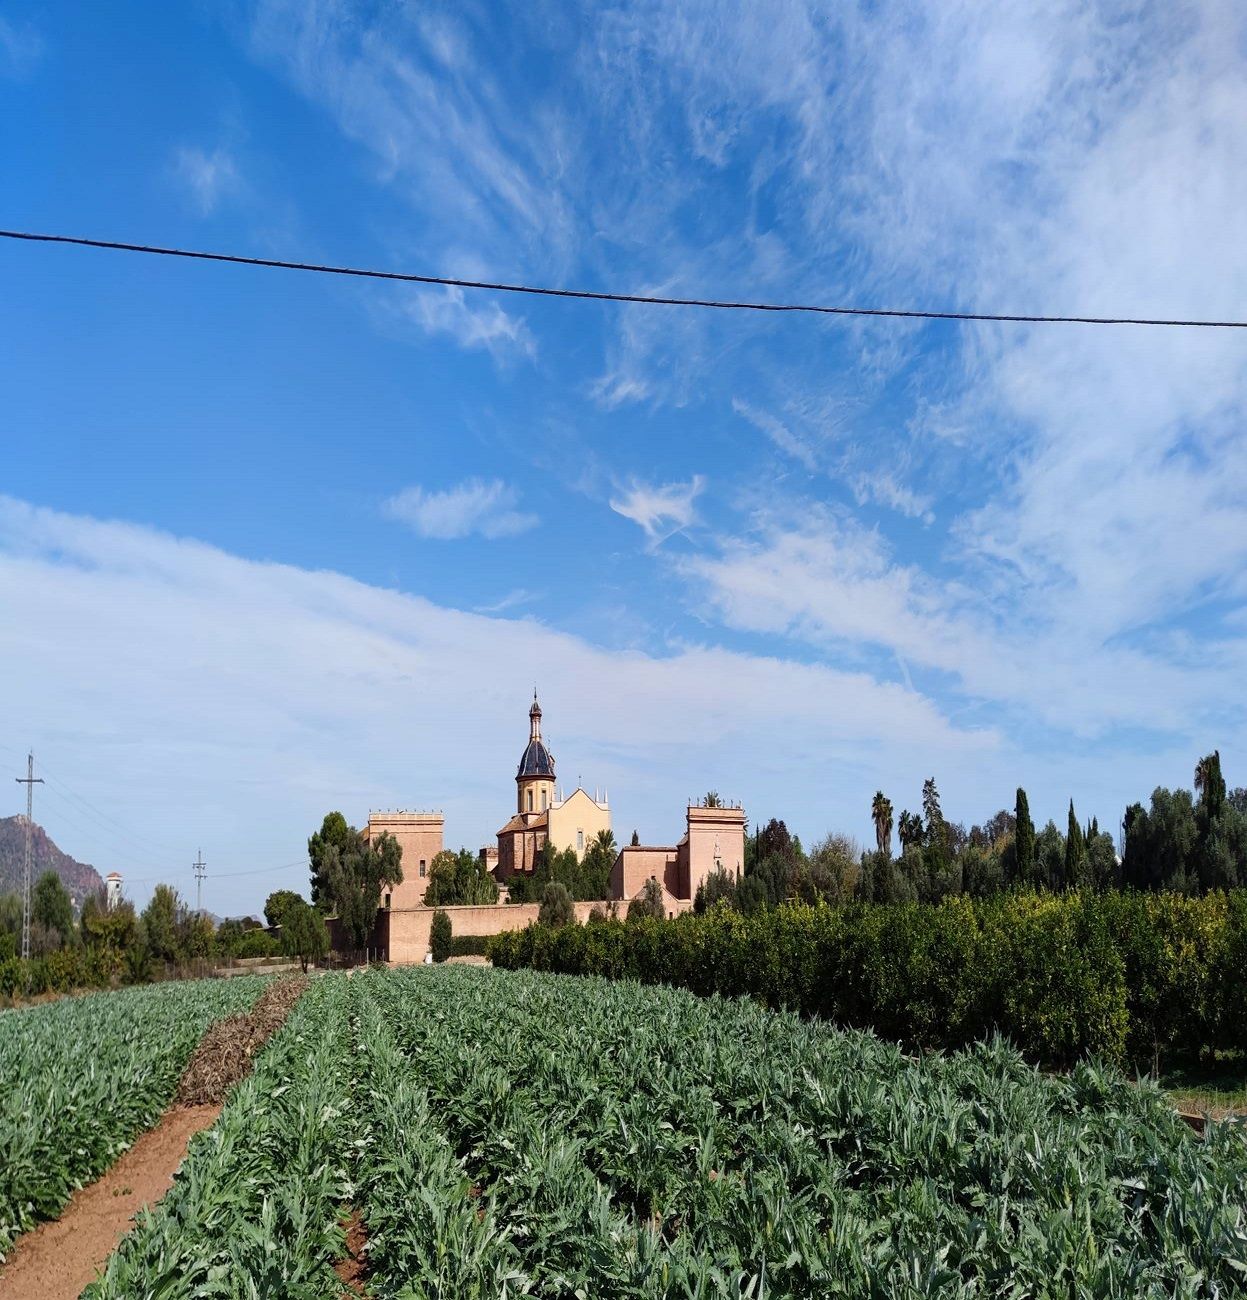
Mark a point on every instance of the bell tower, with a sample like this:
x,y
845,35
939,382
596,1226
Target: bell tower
x,y
535,778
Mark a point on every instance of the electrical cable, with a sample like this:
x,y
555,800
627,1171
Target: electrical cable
x,y
591,295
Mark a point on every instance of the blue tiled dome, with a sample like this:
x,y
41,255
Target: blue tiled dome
x,y
536,761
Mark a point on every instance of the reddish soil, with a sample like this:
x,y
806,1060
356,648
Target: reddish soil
x,y
56,1260
352,1270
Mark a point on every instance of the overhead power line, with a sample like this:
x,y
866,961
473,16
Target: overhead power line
x,y
651,300
179,873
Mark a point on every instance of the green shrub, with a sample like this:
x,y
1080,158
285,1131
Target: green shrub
x,y
257,943
440,936
1063,990
556,906
469,945
1173,950
1065,976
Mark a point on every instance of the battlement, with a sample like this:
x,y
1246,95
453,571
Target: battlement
x,y
407,817
729,814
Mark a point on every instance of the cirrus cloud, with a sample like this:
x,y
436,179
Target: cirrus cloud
x,y
484,507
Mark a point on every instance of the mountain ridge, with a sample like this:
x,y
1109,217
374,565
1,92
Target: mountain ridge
x,y
79,878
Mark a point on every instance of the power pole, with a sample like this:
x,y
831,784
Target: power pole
x,y
200,867
30,780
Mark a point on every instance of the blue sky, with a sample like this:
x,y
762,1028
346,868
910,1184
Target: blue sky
x,y
272,544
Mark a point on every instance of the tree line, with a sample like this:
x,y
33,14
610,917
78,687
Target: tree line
x,y
1186,842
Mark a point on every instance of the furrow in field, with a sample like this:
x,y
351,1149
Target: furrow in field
x,y
254,1208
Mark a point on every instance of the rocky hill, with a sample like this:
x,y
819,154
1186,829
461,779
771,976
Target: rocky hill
x,y
77,877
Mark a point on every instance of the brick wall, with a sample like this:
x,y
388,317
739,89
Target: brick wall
x,y
407,939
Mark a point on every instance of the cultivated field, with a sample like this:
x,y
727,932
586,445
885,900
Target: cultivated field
x,y
82,1077
485,1133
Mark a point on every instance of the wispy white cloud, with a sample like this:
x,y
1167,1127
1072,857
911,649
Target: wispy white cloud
x,y
486,507
829,583
408,87
883,489
660,509
512,600
779,433
207,177
476,324
21,48
617,389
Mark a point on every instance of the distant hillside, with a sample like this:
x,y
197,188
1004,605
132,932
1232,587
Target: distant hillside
x,y
79,878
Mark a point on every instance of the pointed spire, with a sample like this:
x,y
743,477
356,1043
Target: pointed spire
x,y
534,719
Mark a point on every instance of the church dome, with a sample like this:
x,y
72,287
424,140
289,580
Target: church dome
x,y
536,761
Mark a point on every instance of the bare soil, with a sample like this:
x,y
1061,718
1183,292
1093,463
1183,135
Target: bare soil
x,y
56,1260
353,1269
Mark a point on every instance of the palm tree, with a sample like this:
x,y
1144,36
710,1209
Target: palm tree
x,y
605,840
881,812
910,829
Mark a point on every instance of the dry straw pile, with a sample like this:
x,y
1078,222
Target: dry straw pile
x,y
225,1052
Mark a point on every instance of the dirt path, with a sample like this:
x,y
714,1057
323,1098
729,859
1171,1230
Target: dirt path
x,y
56,1260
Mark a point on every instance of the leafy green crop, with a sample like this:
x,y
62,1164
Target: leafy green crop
x,y
513,1134
254,1208
84,1076
629,1141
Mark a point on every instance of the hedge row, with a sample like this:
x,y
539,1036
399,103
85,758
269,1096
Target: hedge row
x,y
62,971
469,945
1129,977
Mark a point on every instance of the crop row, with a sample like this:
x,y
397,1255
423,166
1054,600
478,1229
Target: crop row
x,y
84,1076
254,1208
527,1134
631,1142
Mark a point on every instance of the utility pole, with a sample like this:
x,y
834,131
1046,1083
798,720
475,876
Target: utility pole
x,y
30,780
200,867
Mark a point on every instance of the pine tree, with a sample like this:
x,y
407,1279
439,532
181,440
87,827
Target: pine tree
x,y
1024,839
936,857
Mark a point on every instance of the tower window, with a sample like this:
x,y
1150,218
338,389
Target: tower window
x,y
387,902
422,868
580,841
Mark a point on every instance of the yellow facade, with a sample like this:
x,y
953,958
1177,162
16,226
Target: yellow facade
x,y
534,795
574,822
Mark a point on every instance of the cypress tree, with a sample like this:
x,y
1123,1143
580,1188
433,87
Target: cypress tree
x,y
1024,839
1210,785
1075,852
